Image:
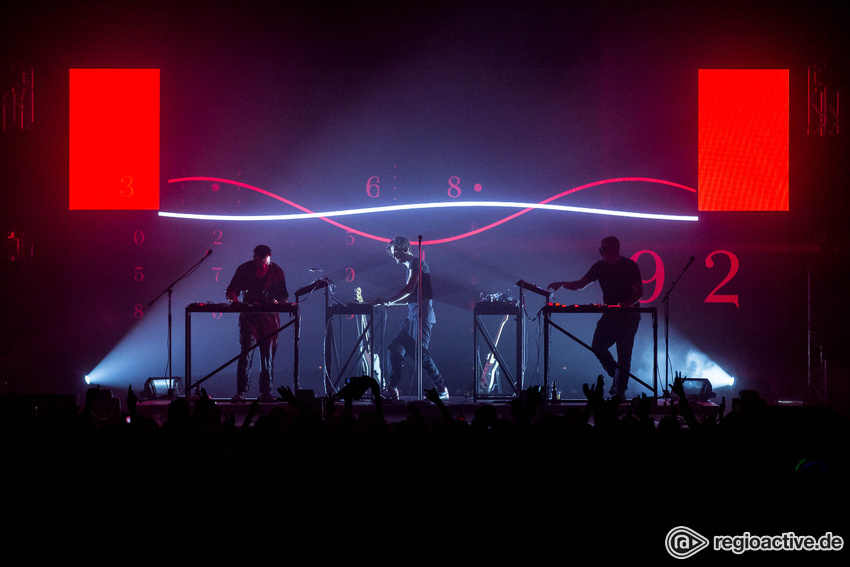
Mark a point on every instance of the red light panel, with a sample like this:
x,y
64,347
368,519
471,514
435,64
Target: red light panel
x,y
114,139
743,140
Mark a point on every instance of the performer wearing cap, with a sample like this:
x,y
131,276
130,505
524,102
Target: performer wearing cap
x,y
260,282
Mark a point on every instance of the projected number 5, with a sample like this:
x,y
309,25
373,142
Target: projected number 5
x,y
713,297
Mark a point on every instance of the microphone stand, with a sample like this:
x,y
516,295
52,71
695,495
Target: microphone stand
x,y
419,319
666,302
326,283
169,291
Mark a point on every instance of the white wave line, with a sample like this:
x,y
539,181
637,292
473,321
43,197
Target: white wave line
x,y
415,206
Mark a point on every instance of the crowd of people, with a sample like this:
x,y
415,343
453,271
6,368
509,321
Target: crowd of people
x,y
624,445
604,465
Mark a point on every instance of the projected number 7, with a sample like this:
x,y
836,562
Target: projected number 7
x,y
713,297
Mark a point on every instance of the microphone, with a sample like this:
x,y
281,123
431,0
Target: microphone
x,y
326,278
208,253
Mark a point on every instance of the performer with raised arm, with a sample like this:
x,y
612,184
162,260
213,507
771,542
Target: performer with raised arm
x,y
261,282
405,341
621,284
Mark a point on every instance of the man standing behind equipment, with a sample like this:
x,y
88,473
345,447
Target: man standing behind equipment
x,y
621,284
262,283
405,341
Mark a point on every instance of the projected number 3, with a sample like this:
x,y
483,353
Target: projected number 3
x,y
713,297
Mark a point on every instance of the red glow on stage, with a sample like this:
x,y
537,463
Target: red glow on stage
x,y
743,140
114,139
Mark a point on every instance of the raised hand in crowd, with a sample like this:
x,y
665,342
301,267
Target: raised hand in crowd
x,y
433,396
132,402
643,407
595,393
253,411
526,406
678,388
356,386
290,398
604,411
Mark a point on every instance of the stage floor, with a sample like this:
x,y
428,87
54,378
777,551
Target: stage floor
x,y
399,410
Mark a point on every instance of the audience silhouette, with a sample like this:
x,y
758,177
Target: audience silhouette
x,y
626,449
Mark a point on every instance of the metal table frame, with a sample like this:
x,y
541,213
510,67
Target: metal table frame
x,y
550,309
365,345
500,309
295,319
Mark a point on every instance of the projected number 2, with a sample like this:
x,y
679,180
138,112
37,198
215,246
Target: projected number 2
x,y
713,297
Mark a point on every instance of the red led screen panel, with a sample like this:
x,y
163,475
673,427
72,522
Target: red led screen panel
x,y
743,140
114,139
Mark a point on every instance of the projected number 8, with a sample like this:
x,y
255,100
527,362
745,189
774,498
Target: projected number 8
x,y
713,297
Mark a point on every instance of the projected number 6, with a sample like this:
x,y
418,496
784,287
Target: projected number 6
x,y
373,189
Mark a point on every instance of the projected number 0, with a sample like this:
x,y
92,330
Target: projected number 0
x,y
713,297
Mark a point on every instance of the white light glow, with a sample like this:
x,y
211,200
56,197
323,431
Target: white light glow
x,y
698,365
420,206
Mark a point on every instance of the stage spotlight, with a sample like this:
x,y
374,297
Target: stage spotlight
x,y
134,355
687,361
698,364
698,389
88,379
162,388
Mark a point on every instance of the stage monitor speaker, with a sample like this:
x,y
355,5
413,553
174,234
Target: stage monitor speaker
x,y
698,389
163,388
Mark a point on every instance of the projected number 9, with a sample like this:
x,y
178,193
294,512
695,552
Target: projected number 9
x,y
713,297
657,277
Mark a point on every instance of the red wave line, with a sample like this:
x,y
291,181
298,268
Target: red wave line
x,y
282,199
441,240
558,196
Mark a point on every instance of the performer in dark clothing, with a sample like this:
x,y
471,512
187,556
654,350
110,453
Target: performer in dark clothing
x,y
405,341
621,284
261,282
